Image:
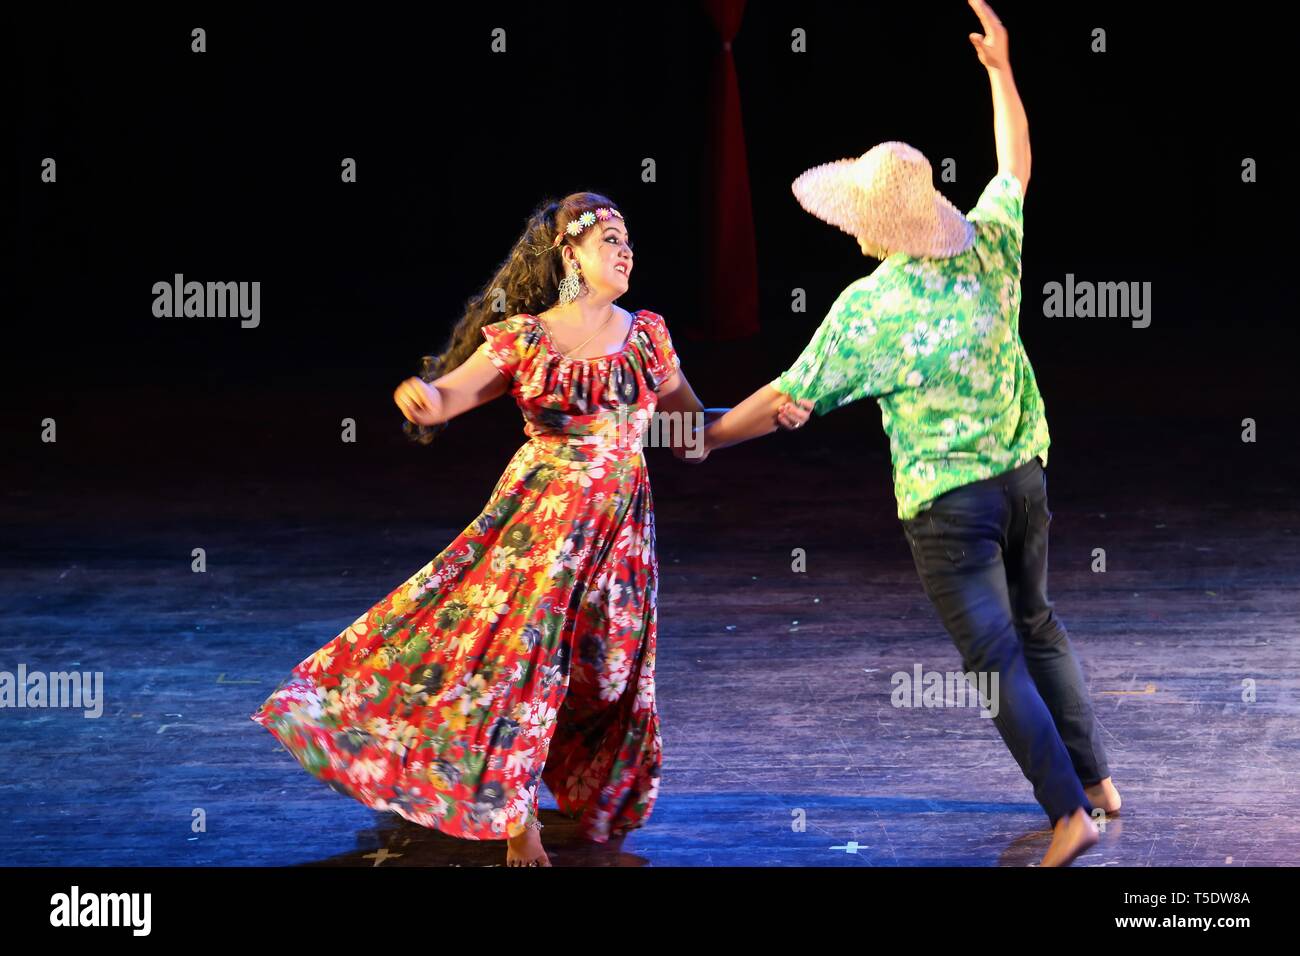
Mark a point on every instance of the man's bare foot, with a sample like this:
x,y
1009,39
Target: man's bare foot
x,y
1103,794
526,850
1072,835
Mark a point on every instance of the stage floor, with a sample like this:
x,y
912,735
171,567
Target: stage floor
x,y
774,686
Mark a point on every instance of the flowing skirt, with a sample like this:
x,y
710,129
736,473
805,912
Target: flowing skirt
x,y
523,652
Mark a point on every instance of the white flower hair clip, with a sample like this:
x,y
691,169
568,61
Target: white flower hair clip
x,y
588,218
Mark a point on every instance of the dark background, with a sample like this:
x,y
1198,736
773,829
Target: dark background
x,y
225,166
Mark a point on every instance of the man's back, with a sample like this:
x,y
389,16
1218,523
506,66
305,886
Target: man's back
x,y
936,341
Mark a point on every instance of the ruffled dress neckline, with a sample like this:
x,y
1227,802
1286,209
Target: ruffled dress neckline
x,y
558,355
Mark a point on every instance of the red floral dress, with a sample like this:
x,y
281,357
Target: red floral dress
x,y
525,651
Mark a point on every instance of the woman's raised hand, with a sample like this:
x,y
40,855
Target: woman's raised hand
x,y
992,46
419,401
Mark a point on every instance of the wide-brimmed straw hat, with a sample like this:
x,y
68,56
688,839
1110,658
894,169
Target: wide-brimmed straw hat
x,y
887,197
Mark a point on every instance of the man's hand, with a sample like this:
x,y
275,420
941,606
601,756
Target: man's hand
x,y
992,46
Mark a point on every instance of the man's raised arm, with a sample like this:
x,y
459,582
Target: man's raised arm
x,y
1010,126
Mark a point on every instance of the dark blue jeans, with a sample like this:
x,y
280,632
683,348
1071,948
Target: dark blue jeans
x,y
981,552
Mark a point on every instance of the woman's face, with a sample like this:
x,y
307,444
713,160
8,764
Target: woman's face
x,y
605,255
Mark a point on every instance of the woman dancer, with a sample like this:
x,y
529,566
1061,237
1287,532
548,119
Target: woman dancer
x,y
933,334
525,651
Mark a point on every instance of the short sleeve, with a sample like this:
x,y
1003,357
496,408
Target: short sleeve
x,y
1000,210
507,345
853,354
661,358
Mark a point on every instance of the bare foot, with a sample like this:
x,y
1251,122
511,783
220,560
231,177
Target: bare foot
x,y
1072,835
526,850
1103,794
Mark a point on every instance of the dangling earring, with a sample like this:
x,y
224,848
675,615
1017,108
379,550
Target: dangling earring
x,y
571,286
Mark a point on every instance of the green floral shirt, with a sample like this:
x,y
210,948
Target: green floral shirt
x,y
937,342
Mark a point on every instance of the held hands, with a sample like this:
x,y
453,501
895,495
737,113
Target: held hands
x,y
419,401
992,46
790,416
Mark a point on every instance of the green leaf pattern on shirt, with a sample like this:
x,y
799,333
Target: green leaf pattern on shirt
x,y
936,341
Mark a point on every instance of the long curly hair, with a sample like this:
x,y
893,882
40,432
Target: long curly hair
x,y
527,281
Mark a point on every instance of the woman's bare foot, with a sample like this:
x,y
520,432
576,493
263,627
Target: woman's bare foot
x,y
1072,835
526,849
1103,794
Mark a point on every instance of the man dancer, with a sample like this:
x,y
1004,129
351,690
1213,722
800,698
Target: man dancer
x,y
933,334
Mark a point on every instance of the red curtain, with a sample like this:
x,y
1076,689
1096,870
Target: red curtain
x,y
733,258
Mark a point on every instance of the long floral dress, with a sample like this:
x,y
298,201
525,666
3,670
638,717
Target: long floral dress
x,y
525,651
